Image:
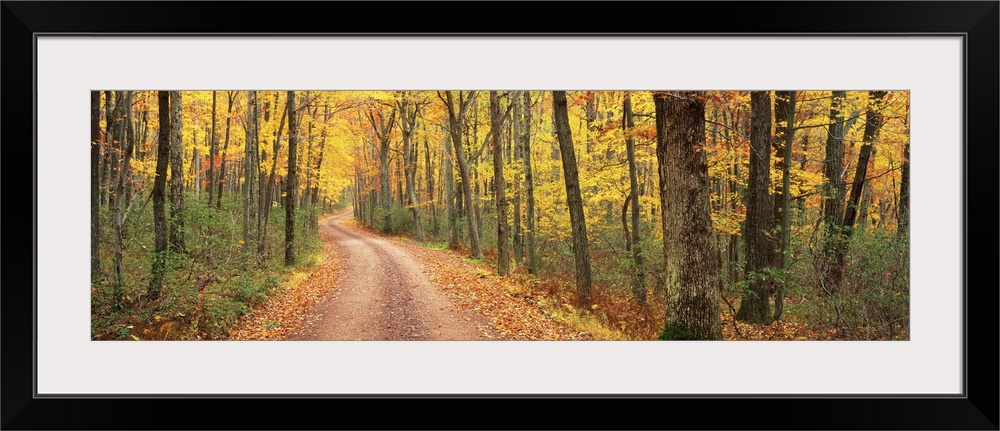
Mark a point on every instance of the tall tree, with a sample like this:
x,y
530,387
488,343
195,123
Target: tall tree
x,y
382,128
692,266
784,252
123,177
176,174
834,195
95,183
225,149
456,128
873,124
578,223
499,185
291,182
160,228
529,187
903,226
449,186
407,122
213,150
250,169
632,244
759,222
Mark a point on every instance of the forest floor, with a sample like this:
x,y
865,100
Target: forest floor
x,y
377,287
373,287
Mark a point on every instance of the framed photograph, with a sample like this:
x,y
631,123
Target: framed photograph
x,y
942,56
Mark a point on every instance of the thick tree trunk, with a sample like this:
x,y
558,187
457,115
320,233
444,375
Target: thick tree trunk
x,y
692,268
760,219
291,181
499,187
638,276
834,197
95,183
578,223
159,199
176,174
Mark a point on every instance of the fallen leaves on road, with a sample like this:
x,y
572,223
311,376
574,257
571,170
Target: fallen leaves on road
x,y
285,312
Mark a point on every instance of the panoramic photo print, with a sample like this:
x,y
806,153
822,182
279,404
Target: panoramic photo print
x,y
500,215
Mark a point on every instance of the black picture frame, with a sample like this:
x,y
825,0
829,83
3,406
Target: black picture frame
x,y
977,22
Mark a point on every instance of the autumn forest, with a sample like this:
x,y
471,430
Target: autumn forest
x,y
500,215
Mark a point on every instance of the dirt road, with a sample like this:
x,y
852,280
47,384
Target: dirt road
x,y
384,294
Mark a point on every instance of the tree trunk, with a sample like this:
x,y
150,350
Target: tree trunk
x,y
119,199
430,188
638,276
407,123
581,250
225,148
159,199
786,205
499,188
692,268
382,128
250,185
456,128
213,150
873,124
903,223
267,196
291,182
760,218
95,183
176,174
449,186
529,187
834,197
514,155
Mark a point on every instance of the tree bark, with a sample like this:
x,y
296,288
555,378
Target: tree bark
x,y
638,275
449,186
225,148
873,124
119,199
499,188
512,140
382,128
159,199
903,223
291,182
176,174
407,123
581,251
692,267
529,187
213,150
456,127
760,218
834,197
250,167
95,183
786,205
